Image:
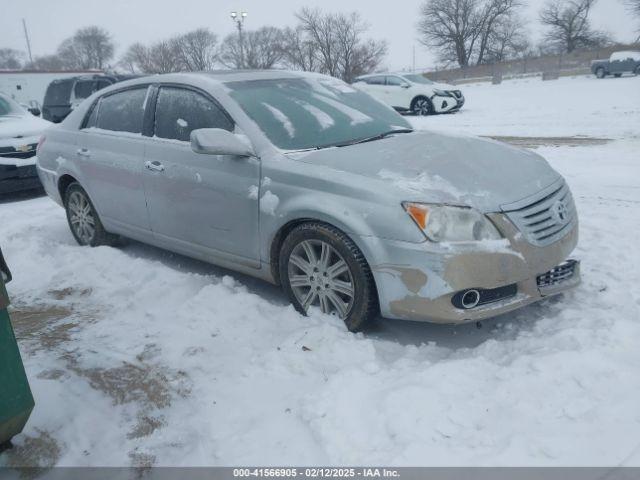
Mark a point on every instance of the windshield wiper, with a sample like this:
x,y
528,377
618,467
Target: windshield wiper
x,y
354,142
379,136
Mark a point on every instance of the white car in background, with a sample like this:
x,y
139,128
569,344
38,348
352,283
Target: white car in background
x,y
20,132
411,92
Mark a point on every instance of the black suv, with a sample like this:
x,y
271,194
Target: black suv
x,y
65,94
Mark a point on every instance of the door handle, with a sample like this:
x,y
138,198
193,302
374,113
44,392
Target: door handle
x,y
155,166
83,152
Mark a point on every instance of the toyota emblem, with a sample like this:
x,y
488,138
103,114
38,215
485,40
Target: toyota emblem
x,y
561,212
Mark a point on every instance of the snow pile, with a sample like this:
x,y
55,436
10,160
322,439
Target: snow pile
x,y
421,183
269,202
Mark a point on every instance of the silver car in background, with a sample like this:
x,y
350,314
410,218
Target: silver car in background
x,y
304,181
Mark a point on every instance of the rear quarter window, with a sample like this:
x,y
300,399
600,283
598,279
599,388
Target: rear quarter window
x,y
58,93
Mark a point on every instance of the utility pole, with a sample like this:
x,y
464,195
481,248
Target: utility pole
x,y
414,59
238,18
26,36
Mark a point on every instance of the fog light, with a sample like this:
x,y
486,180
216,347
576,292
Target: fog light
x,y
470,299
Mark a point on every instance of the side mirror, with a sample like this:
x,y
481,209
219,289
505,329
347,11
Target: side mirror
x,y
216,141
405,85
35,111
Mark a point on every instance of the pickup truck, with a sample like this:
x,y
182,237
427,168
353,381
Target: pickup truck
x,y
618,63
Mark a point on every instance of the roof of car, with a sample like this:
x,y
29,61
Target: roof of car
x,y
215,76
224,76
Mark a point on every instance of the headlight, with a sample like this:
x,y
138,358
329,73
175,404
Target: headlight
x,y
441,223
441,93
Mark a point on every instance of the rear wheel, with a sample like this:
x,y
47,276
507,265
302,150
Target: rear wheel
x,y
83,219
320,266
421,106
600,72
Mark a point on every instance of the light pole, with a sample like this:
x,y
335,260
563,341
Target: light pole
x,y
238,18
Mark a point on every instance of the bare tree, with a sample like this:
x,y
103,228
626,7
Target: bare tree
x,y
463,29
337,39
197,50
568,25
451,27
507,40
10,59
493,16
90,47
136,59
161,57
298,51
261,49
47,62
634,8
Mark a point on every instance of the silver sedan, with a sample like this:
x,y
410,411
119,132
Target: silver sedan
x,y
303,181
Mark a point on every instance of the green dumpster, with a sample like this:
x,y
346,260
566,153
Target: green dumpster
x,y
16,401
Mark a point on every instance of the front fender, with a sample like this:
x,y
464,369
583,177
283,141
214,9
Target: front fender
x,y
354,217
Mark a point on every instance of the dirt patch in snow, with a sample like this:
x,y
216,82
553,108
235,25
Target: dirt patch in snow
x,y
535,142
127,383
42,327
42,451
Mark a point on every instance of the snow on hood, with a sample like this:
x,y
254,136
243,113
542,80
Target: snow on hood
x,y
442,168
12,126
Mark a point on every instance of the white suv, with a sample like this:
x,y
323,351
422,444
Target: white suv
x,y
411,93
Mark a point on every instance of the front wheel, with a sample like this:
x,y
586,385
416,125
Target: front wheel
x,y
421,106
321,266
600,72
83,219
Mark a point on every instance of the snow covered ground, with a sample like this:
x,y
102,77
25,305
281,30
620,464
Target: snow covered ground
x,y
140,357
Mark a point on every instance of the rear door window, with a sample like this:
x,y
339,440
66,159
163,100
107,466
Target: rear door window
x,y
58,93
122,111
375,80
179,111
395,81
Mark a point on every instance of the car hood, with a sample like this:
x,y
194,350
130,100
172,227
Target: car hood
x,y
21,126
442,168
444,86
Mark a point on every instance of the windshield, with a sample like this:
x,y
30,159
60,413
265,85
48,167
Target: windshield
x,y
304,113
418,79
9,107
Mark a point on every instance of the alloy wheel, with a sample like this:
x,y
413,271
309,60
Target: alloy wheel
x,y
318,275
81,217
422,107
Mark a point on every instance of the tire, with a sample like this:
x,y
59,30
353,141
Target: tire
x,y
83,219
600,72
637,72
335,268
421,106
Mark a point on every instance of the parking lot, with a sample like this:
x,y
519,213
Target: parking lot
x,y
176,362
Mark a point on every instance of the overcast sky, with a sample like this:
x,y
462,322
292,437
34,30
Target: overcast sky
x,y
51,21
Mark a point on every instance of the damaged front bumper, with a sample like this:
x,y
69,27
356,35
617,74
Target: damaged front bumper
x,y
427,281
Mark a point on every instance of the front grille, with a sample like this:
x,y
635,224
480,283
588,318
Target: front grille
x,y
10,152
557,275
456,93
547,219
